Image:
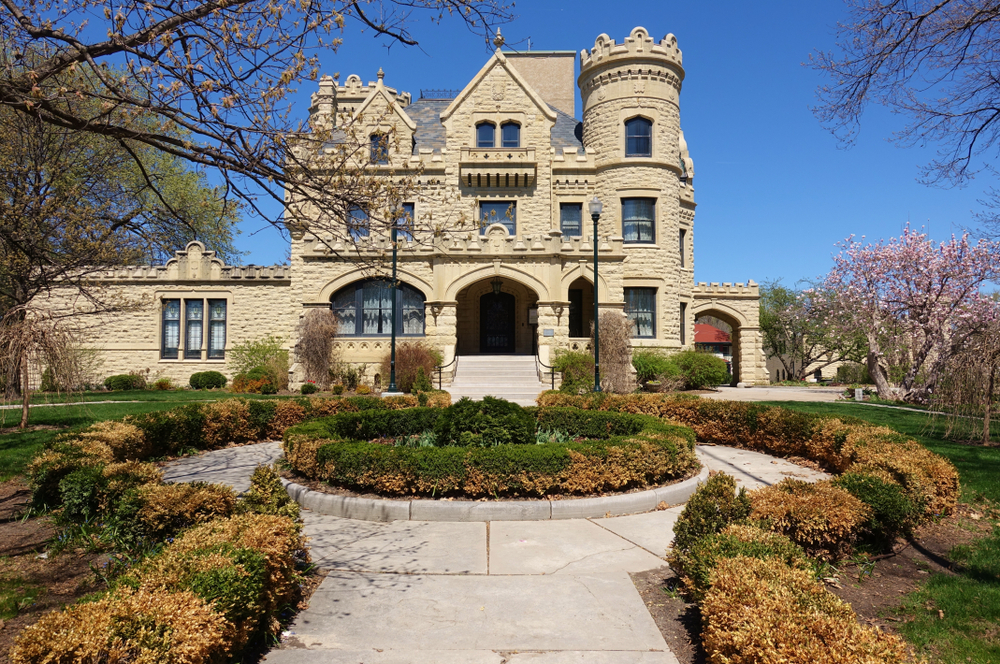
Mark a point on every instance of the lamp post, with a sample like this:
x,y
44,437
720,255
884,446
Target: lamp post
x,y
595,213
397,212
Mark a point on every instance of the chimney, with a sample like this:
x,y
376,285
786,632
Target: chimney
x,y
551,74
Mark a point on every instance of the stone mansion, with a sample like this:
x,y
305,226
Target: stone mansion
x,y
508,150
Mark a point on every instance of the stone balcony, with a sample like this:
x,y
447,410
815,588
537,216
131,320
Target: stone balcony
x,y
497,167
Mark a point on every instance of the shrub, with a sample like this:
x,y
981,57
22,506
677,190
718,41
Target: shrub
x,y
168,431
700,370
129,381
422,383
577,370
163,384
259,380
317,334
892,513
267,495
714,505
485,423
411,357
820,517
168,508
852,373
207,380
351,376
125,441
49,383
338,389
695,565
268,352
592,424
362,390
308,388
369,424
616,353
764,611
47,470
80,493
651,364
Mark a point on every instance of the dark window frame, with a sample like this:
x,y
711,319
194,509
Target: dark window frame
x,y
480,143
640,222
683,330
485,220
638,137
214,351
402,308
404,225
189,323
358,225
167,353
682,242
633,313
379,148
515,141
563,209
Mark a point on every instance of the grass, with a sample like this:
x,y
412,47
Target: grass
x,y
132,395
952,618
16,595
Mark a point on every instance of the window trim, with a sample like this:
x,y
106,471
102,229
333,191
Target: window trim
x,y
682,242
493,135
404,231
639,120
517,137
213,352
651,312
652,221
189,353
358,307
165,353
509,205
562,226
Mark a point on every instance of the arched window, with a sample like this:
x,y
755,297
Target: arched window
x,y
380,149
365,309
638,138
485,135
510,134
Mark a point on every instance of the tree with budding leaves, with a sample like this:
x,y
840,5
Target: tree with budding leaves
x,y
917,303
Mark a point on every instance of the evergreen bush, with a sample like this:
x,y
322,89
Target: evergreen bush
x,y
715,505
207,380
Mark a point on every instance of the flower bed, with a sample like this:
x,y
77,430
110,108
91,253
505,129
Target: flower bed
x,y
215,569
491,449
743,556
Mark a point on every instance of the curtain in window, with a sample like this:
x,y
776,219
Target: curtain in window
x,y
171,328
638,219
640,304
376,307
412,311
194,315
345,309
216,329
571,218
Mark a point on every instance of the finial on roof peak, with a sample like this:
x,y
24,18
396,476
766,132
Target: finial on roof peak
x,y
498,41
381,74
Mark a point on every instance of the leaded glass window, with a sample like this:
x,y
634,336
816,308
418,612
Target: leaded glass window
x,y
404,229
571,219
640,307
365,309
171,329
216,329
194,320
638,138
639,220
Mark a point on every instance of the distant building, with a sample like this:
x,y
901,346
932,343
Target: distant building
x,y
710,339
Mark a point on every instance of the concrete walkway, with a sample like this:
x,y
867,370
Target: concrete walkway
x,y
776,393
524,592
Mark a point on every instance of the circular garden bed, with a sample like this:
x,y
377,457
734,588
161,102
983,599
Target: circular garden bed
x,y
491,449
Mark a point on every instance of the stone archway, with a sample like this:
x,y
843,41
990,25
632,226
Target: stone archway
x,y
737,305
478,312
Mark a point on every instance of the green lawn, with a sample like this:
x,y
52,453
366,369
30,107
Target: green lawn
x,y
132,395
953,618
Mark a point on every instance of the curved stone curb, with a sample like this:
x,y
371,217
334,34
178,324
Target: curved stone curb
x,y
376,509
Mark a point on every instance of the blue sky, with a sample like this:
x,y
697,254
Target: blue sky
x,y
775,190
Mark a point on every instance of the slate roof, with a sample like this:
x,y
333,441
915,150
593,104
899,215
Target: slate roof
x,y
426,114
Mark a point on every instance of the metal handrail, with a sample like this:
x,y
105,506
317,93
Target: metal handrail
x,y
552,371
441,367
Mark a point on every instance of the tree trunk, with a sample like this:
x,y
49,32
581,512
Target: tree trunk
x,y
990,389
877,375
25,393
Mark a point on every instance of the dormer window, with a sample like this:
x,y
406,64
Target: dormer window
x,y
486,135
379,149
638,138
510,134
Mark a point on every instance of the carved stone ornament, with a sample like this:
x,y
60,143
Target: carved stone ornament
x,y
498,90
639,87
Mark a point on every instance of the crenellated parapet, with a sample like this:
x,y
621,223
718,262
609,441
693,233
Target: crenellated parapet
x,y
194,264
726,289
637,52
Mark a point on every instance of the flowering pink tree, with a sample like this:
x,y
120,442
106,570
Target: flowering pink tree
x,y
917,303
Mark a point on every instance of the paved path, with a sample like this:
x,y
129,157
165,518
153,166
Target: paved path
x,y
524,592
776,393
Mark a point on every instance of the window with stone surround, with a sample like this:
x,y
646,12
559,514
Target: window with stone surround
x,y
638,138
202,318
683,248
216,329
498,212
639,220
684,312
364,308
357,224
171,335
640,307
486,135
404,225
194,325
379,149
571,219
510,135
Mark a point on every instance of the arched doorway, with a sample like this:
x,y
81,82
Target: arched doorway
x,y
722,338
581,308
496,315
497,323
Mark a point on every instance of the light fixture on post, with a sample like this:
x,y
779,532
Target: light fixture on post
x,y
596,207
396,212
496,283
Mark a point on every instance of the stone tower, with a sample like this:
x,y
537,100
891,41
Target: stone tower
x,y
641,78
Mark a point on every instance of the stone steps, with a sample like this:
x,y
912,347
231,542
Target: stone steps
x,y
510,377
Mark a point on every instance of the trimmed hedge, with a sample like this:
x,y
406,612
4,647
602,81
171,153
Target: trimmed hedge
x,y
207,380
627,451
125,382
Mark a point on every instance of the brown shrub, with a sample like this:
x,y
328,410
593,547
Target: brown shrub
x,y
133,626
169,507
286,414
439,400
764,612
125,441
300,452
227,422
410,357
821,518
317,333
617,375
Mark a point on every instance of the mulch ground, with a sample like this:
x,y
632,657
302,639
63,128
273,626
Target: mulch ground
x,y
871,590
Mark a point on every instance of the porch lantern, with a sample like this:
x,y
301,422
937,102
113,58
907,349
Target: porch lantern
x,y
496,284
596,207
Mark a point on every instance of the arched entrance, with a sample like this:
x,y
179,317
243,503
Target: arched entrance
x,y
730,327
496,315
581,308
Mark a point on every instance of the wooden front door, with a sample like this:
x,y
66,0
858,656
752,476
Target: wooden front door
x,y
496,323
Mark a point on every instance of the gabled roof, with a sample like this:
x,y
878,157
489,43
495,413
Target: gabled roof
x,y
397,109
499,59
707,334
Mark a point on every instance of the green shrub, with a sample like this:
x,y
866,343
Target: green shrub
x,y
308,388
169,431
163,384
695,565
412,358
351,376
422,383
267,495
129,381
577,370
592,424
715,505
893,514
650,364
258,380
700,370
47,470
383,423
265,353
233,590
207,380
80,493
485,423
49,383
852,373
338,389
